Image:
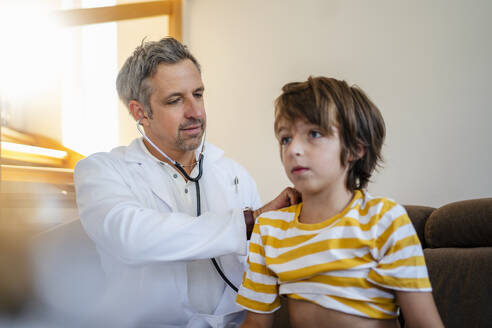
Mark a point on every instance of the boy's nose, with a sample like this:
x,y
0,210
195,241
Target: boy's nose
x,y
296,148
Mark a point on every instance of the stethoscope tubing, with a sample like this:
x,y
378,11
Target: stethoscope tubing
x,y
197,187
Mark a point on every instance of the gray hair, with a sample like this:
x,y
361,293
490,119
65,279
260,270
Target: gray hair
x,y
133,81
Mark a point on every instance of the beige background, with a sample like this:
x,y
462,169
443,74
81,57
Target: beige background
x,y
426,64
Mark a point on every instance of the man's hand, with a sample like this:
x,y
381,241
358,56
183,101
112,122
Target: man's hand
x,y
289,196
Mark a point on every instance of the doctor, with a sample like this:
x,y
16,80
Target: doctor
x,y
140,209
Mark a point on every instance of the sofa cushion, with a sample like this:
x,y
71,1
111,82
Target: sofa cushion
x,y
461,283
465,223
69,279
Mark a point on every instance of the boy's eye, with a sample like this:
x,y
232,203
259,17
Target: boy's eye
x,y
315,134
284,140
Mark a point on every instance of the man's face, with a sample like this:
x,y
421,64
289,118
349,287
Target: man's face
x,y
179,120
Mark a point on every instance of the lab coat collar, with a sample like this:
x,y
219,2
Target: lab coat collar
x,y
135,153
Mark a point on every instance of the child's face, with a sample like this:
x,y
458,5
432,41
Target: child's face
x,y
311,158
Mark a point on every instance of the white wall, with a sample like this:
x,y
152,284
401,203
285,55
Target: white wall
x,y
426,64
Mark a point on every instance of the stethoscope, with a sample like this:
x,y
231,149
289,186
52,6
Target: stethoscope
x,y
197,186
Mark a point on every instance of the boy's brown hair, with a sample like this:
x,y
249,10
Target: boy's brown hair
x,y
328,102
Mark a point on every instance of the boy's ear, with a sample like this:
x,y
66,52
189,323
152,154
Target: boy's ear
x,y
361,151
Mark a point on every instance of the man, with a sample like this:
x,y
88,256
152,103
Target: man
x,y
141,210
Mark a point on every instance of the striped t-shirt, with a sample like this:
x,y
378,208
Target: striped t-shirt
x,y
351,262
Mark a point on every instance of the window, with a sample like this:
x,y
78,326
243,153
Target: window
x,y
59,80
58,67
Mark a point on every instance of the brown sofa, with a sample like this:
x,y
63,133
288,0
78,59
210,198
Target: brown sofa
x,y
457,242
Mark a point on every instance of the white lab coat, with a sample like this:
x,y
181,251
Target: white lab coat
x,y
127,210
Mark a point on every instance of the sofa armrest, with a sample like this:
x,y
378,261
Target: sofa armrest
x,y
419,215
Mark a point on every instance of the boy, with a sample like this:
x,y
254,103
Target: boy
x,y
342,257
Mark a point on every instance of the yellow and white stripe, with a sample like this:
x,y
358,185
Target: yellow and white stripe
x,y
351,262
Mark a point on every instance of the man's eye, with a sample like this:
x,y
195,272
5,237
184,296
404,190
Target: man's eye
x,y
284,140
199,95
315,134
172,101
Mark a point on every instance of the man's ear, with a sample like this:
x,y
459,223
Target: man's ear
x,y
137,111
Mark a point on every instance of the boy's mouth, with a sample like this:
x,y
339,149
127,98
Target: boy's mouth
x,y
299,169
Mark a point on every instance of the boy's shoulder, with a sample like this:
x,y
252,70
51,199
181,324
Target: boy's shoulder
x,y
286,214
368,201
379,210
369,209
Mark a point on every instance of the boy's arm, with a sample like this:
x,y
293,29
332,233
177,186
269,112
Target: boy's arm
x,y
419,309
257,320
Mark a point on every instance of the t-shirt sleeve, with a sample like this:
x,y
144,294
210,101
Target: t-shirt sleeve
x,y
401,264
259,289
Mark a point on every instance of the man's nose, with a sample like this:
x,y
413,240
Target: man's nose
x,y
194,108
